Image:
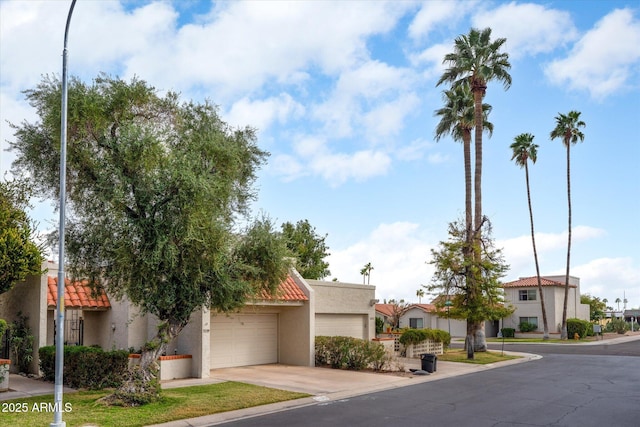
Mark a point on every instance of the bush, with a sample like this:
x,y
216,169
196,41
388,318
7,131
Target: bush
x,y
508,332
577,326
349,353
527,327
86,367
379,325
617,325
415,336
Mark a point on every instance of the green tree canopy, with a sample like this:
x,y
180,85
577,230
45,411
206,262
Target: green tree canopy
x,y
20,256
474,300
156,189
309,249
597,307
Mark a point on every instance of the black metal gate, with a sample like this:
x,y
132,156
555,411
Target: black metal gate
x,y
73,328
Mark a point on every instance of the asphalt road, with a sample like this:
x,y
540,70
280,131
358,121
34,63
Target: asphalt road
x,y
570,386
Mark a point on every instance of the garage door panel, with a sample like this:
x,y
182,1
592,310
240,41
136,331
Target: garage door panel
x,y
244,339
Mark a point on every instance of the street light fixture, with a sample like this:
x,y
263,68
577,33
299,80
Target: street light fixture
x,y
448,304
58,388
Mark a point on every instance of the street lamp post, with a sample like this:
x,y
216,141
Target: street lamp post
x,y
448,304
58,388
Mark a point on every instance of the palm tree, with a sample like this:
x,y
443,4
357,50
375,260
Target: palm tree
x,y
420,295
476,60
457,119
524,150
618,301
366,273
568,130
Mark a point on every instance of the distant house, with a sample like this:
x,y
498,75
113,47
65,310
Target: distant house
x,y
265,330
523,294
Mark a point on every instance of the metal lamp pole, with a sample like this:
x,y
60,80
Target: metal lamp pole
x,y
58,390
448,303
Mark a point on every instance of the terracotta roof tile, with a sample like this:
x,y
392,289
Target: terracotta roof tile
x,y
525,282
385,309
76,295
429,308
288,290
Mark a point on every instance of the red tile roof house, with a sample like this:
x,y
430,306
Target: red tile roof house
x,y
523,294
266,330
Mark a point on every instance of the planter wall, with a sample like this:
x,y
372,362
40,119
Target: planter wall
x,y
5,364
428,346
171,367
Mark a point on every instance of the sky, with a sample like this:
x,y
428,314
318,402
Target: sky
x,y
343,96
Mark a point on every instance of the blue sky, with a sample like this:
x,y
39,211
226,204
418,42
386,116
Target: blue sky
x,y
343,95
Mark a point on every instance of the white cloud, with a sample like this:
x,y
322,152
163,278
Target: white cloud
x,y
337,168
610,278
397,252
414,151
434,13
605,59
529,28
262,113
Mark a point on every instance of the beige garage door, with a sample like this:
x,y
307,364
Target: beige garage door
x,y
243,339
345,325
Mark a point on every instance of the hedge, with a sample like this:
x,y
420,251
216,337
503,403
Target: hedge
x,y
577,326
415,336
349,353
86,367
508,332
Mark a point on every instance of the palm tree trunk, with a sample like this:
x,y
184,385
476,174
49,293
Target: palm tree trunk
x,y
563,332
545,335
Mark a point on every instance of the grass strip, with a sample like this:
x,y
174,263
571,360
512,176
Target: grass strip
x,y
84,409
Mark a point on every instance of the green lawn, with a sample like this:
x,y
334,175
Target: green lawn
x,y
480,358
177,403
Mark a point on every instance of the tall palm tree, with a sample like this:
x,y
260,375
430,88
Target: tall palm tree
x,y
420,295
568,130
524,150
476,60
366,273
618,301
457,119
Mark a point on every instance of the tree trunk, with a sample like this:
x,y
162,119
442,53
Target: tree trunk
x,y
469,341
563,333
545,335
142,384
480,339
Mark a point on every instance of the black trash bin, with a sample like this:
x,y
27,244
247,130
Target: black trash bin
x,y
429,362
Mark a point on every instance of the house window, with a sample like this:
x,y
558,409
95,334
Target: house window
x,y
527,295
531,324
416,323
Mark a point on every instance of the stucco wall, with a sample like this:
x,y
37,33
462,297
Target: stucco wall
x,y
296,338
346,298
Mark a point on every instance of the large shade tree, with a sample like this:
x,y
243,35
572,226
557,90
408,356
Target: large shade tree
x,y
568,131
475,301
309,249
475,61
156,192
523,150
20,254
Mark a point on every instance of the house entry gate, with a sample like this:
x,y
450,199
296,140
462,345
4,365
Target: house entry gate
x,y
73,328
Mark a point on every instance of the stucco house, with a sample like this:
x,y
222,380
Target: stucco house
x,y
265,330
523,294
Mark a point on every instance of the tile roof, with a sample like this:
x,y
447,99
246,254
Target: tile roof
x,y
429,308
77,295
288,290
525,282
385,309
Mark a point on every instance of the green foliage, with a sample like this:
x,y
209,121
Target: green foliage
x,y
140,390
508,332
20,256
416,336
86,367
349,353
21,343
379,325
596,306
578,326
157,188
527,327
475,300
617,325
3,327
309,248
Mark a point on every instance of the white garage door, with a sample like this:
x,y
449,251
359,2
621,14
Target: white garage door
x,y
345,325
244,339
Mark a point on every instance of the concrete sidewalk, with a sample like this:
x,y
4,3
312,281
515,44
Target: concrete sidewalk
x,y
21,387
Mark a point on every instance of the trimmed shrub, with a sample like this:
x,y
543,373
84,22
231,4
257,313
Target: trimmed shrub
x,y
349,353
527,327
86,367
577,326
508,332
415,336
617,325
